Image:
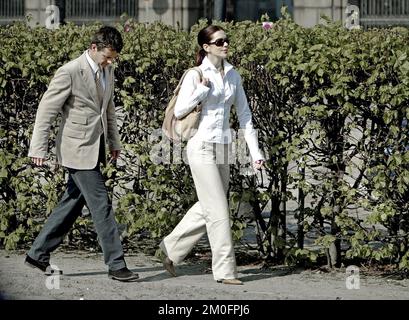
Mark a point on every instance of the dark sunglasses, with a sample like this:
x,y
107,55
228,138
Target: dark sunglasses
x,y
220,42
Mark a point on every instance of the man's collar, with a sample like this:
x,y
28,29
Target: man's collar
x,y
91,62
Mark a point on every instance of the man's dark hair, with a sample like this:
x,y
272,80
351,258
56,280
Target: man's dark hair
x,y
108,37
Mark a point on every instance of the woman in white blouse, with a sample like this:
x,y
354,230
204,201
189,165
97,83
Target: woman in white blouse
x,y
208,154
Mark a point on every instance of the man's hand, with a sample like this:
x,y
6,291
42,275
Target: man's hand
x,y
258,164
115,154
38,161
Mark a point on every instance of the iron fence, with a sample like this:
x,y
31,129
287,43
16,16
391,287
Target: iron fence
x,y
382,13
11,10
80,11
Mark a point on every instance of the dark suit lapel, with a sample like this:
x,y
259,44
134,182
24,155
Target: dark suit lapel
x,y
88,77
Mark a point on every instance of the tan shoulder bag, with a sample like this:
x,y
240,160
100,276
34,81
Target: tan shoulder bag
x,y
181,129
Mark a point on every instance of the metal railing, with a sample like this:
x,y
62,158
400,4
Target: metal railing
x,y
380,13
11,10
81,11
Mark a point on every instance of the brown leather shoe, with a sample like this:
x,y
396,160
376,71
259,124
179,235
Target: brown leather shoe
x,y
230,281
168,265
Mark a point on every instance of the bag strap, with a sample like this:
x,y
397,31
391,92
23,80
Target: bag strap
x,y
198,70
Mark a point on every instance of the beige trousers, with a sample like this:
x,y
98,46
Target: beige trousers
x,y
210,170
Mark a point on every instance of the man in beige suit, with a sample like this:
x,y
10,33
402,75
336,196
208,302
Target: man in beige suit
x,y
82,92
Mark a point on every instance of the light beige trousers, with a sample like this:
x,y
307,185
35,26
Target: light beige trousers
x,y
210,170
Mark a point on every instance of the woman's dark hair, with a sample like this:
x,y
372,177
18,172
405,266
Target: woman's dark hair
x,y
205,36
108,37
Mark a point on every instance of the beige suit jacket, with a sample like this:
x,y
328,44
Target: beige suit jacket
x,y
72,92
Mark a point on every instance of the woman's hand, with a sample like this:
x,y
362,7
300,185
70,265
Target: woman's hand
x,y
38,161
205,81
258,164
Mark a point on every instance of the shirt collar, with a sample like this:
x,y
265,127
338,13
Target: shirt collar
x,y
208,65
91,62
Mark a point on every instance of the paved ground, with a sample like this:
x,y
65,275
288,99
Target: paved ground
x,y
85,278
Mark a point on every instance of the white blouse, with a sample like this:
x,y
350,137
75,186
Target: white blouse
x,y
217,99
